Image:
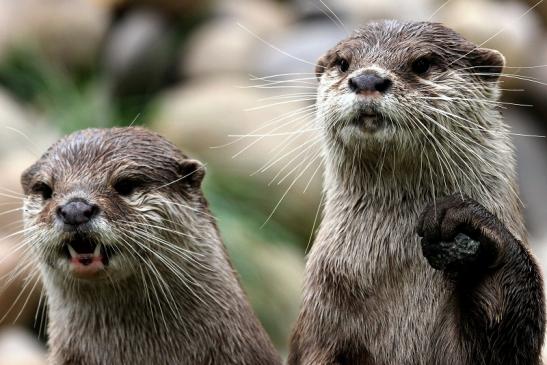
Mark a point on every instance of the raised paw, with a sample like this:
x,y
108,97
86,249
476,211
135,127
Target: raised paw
x,y
459,233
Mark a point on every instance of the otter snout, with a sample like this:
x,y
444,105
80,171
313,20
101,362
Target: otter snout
x,y
77,212
369,82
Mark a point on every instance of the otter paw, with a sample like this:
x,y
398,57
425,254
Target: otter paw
x,y
455,232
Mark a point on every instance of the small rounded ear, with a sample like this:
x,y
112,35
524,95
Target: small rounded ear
x,y
27,176
321,66
192,172
488,63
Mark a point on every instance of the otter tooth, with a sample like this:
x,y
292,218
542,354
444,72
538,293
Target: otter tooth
x,y
73,252
97,251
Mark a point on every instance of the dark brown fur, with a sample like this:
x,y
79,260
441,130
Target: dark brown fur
x,y
170,295
437,149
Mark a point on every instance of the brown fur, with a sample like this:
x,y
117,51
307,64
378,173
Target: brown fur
x,y
370,297
170,295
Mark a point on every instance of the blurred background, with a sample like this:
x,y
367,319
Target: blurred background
x,y
231,83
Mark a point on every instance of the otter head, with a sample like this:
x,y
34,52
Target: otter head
x,y
101,203
401,83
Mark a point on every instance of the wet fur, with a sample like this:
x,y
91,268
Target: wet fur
x,y
370,297
172,296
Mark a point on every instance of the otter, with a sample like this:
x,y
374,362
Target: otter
x,y
414,146
131,258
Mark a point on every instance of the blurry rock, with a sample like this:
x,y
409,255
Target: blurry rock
x,y
272,276
261,15
22,141
137,54
356,12
540,7
68,31
20,285
218,47
18,347
532,170
305,43
203,115
536,90
507,29
182,8
221,46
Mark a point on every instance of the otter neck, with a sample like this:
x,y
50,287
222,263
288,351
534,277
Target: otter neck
x,y
167,317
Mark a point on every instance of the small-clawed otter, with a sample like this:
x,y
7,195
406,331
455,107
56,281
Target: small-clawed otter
x,y
133,265
414,146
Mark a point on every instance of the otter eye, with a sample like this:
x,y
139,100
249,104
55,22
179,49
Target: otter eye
x,y
127,186
343,65
43,189
421,65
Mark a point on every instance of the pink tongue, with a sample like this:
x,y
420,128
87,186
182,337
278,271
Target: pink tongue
x,y
86,259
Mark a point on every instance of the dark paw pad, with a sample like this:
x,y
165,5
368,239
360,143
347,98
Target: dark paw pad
x,y
451,256
453,232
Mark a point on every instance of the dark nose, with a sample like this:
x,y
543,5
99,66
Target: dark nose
x,y
77,212
369,82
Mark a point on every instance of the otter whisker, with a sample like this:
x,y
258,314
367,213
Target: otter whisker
x,y
301,131
319,165
312,107
185,206
480,101
28,281
269,77
288,189
199,168
287,115
455,138
442,156
184,277
25,246
438,10
165,229
335,18
315,219
260,107
301,146
18,233
36,278
478,126
33,148
11,211
41,313
516,77
304,80
12,196
276,152
279,87
317,141
301,96
274,47
500,31
159,278
16,193
178,250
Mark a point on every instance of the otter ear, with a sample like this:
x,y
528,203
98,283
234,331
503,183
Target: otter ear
x,y
321,65
192,172
488,63
27,176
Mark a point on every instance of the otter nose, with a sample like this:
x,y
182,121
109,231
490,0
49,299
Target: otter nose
x,y
77,212
369,82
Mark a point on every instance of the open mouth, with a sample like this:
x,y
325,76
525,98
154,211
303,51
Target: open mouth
x,y
368,121
86,256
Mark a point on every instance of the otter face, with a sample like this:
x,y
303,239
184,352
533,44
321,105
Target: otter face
x,y
100,203
394,81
